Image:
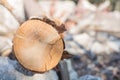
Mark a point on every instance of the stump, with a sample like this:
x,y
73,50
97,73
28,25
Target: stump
x,y
38,45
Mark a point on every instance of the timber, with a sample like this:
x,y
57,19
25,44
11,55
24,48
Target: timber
x,y
38,45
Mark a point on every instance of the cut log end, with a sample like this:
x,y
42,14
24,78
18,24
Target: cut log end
x,y
38,46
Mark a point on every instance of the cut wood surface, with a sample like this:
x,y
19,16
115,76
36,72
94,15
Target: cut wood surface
x,y
38,45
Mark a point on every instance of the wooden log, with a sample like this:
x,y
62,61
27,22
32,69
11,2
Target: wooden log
x,y
38,45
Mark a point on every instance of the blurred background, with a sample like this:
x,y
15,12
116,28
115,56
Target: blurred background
x,y
92,37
